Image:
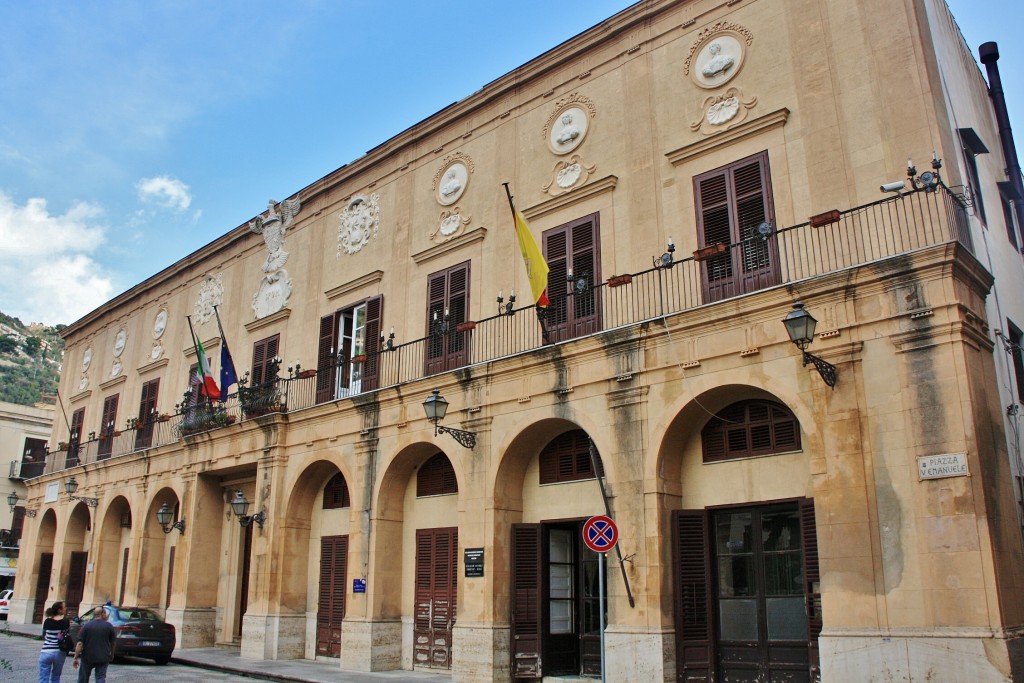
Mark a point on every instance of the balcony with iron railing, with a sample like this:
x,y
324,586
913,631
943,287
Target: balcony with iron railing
x,y
827,243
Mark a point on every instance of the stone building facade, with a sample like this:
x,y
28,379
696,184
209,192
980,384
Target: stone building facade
x,y
771,526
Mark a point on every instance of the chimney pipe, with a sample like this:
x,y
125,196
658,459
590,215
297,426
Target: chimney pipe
x,y
989,54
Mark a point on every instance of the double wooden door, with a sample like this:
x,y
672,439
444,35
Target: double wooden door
x,y
436,588
331,603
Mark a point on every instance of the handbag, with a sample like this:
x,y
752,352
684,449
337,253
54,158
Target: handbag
x,y
65,642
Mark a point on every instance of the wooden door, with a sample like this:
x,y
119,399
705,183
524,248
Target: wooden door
x,y
435,597
331,602
170,574
573,247
42,587
76,582
124,577
243,598
526,601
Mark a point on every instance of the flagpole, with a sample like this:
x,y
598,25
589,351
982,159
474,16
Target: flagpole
x,y
510,204
199,361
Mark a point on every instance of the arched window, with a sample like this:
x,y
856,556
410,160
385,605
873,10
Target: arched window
x,y
336,493
567,458
436,477
749,428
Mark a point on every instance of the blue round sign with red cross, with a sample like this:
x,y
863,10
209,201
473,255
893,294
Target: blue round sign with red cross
x,y
600,533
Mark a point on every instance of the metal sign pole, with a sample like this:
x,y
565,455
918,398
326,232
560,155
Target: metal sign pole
x,y
601,558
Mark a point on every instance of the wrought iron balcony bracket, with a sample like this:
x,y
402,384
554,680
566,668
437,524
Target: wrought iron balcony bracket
x,y
824,368
466,439
91,502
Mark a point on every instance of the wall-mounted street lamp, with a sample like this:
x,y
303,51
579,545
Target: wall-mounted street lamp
x,y
800,325
71,485
240,506
666,260
435,407
164,515
12,500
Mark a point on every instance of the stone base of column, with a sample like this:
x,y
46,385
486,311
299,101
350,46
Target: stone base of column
x,y
371,645
979,657
19,610
480,653
196,626
273,636
632,654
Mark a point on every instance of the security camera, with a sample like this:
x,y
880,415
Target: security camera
x,y
893,187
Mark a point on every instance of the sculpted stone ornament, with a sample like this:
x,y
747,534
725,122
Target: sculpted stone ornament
x,y
115,368
157,351
83,382
119,341
569,123
273,228
273,294
450,224
359,221
211,293
717,54
452,178
567,174
722,112
86,359
160,323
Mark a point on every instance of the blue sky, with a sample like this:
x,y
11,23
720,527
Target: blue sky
x,y
132,133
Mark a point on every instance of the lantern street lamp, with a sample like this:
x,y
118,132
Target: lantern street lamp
x,y
71,485
800,325
435,407
164,515
240,506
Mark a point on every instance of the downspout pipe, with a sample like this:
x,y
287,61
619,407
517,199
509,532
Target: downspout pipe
x,y
989,54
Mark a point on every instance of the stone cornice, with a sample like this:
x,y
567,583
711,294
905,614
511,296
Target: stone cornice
x,y
352,285
190,352
775,119
606,184
111,383
269,320
149,367
475,235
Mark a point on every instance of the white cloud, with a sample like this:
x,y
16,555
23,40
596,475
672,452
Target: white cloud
x,y
165,191
46,273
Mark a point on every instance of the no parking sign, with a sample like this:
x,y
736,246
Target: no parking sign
x,y
600,533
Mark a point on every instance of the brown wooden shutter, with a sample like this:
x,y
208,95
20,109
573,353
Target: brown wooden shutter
x,y
42,586
263,352
170,573
435,596
436,297
586,261
436,477
147,413
326,358
714,227
124,577
573,245
448,290
812,582
336,493
75,438
76,582
107,426
527,605
695,634
371,368
332,596
17,524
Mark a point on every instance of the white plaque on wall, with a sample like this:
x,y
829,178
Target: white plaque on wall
x,y
942,466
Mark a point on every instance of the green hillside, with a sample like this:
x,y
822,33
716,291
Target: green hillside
x,y
30,357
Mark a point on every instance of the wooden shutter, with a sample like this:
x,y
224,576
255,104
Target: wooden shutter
x,y
336,493
731,203
448,290
695,641
332,596
147,413
812,582
42,586
263,352
76,582
567,458
436,298
435,596
124,576
107,426
749,428
527,605
371,368
170,575
436,477
75,439
326,358
17,524
574,245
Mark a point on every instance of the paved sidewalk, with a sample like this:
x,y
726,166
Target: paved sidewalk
x,y
287,671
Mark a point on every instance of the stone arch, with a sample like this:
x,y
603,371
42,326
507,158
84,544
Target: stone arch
x,y
112,539
77,537
154,558
45,541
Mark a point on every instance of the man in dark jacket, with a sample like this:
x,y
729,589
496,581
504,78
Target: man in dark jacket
x,y
95,647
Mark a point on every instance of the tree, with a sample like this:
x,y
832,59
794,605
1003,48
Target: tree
x,y
8,344
31,345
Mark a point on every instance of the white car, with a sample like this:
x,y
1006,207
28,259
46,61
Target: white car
x,y
5,595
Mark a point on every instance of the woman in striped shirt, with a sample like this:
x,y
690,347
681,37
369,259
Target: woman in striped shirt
x,y
51,657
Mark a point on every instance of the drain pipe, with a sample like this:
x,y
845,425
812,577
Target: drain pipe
x,y
989,54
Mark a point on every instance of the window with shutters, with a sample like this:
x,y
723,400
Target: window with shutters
x,y
17,524
331,599
75,438
750,428
971,145
734,204
347,354
107,426
573,248
436,477
336,493
567,458
264,353
33,458
447,308
147,414
1016,339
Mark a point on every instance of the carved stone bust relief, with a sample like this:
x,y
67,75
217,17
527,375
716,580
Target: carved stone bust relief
x,y
119,341
86,359
717,54
160,323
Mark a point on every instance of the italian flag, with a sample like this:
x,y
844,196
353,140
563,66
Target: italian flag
x,y
209,383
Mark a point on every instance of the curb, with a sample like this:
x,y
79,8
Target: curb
x,y
240,672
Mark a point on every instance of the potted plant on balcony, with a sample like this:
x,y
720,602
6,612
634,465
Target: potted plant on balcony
x,y
262,398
